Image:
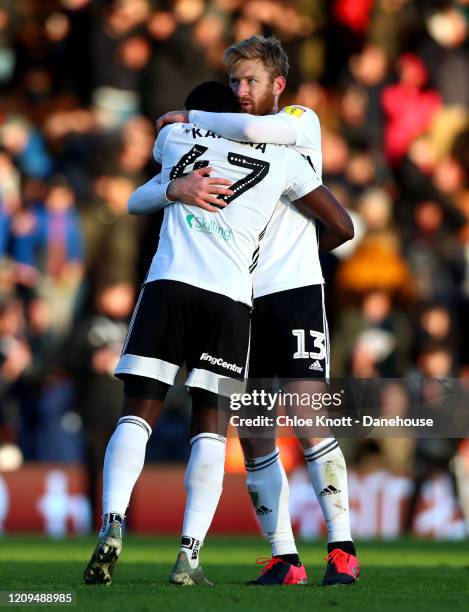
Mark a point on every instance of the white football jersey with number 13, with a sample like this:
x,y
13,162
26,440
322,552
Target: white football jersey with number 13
x,y
289,256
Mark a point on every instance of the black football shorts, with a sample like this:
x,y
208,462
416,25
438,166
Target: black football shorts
x,y
173,323
289,335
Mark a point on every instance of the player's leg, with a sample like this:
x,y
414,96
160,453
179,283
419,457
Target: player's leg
x,y
265,476
269,491
125,453
217,363
306,365
203,482
123,463
327,471
147,369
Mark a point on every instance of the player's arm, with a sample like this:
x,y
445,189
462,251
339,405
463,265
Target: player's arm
x,y
336,224
301,128
197,188
149,198
152,196
273,129
200,189
305,189
330,239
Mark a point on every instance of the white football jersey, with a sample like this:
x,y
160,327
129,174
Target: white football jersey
x,y
289,255
219,251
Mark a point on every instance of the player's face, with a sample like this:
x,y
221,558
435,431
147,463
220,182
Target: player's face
x,y
255,88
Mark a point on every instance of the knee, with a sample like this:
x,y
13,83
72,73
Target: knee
x,y
208,414
257,447
147,409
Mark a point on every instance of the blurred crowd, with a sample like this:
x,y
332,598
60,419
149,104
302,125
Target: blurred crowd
x,y
81,83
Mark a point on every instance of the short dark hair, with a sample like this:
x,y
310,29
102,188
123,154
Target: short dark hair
x,y
214,97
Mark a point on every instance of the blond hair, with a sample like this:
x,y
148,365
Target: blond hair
x,y
267,50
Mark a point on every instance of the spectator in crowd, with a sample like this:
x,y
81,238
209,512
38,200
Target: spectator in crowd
x,y
47,247
90,355
432,455
26,146
409,107
110,234
377,332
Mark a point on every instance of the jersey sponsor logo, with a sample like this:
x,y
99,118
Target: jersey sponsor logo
x,y
220,362
200,224
294,111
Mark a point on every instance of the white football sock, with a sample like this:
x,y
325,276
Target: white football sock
x,y
204,482
328,474
268,487
123,462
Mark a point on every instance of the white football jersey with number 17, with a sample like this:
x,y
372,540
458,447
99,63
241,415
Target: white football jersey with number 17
x,y
219,251
289,256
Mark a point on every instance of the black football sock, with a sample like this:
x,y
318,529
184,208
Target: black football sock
x,y
347,547
293,559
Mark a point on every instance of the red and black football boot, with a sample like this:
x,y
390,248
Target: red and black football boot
x,y
277,571
342,568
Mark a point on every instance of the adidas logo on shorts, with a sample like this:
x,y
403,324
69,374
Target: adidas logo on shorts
x,y
316,366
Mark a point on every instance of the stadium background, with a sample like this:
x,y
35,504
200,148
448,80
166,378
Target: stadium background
x,y
81,83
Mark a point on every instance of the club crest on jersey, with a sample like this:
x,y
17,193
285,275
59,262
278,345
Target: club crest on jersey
x,y
200,224
294,111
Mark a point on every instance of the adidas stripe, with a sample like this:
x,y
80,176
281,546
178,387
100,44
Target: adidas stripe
x,y
322,451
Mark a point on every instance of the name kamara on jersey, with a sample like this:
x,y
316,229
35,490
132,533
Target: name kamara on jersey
x,y
201,133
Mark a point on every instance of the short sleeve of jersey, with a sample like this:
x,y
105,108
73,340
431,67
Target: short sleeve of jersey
x,y
160,143
300,176
306,124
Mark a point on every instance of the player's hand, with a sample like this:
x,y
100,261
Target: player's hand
x,y
172,117
200,189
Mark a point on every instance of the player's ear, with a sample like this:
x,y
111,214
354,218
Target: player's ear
x,y
279,85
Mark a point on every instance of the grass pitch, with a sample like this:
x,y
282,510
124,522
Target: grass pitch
x,y
402,575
